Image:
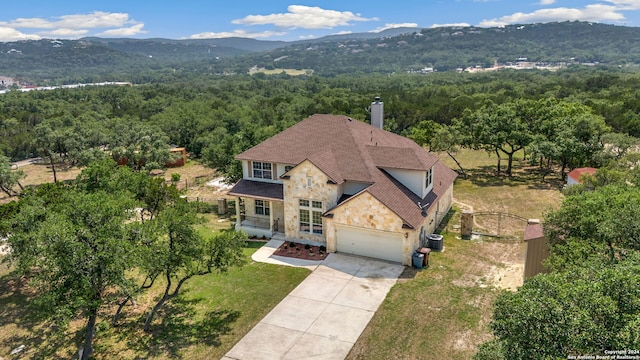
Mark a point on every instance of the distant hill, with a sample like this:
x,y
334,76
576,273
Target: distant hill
x,y
394,50
362,36
450,48
190,49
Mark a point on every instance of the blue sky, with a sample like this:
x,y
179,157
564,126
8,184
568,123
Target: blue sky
x,y
285,20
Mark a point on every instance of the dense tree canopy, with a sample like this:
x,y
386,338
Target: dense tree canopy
x,y
82,244
589,303
218,118
75,248
581,312
9,177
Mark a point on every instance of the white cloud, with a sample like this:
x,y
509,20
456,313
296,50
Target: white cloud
x,y
595,12
237,33
10,34
306,37
626,4
343,33
304,17
450,25
394,26
127,31
547,2
30,23
96,19
75,25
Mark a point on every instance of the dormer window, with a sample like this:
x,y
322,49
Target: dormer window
x,y
262,170
428,178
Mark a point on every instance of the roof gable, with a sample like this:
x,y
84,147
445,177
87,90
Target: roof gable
x,y
323,159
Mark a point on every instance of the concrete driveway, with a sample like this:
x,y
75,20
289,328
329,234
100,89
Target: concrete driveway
x,y
324,316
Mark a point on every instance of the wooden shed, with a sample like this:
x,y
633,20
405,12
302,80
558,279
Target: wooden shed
x,y
537,249
181,160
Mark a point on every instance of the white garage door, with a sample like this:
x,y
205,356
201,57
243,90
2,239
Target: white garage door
x,y
372,243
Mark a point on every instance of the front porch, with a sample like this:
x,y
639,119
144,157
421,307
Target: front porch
x,y
259,208
258,226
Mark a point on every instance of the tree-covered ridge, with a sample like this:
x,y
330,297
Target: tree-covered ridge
x,y
445,49
450,48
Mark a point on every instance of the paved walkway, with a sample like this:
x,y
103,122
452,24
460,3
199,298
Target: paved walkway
x,y
325,314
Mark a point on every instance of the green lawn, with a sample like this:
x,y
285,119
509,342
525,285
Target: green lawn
x,y
211,315
436,313
443,312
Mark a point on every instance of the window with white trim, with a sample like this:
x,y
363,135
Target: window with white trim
x,y
428,178
310,216
262,207
262,170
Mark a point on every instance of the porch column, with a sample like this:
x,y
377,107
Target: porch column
x,y
238,220
271,216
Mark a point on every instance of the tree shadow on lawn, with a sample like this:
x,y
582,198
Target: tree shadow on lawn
x,y
33,331
178,326
531,176
486,176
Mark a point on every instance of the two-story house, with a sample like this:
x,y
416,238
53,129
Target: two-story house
x,y
353,187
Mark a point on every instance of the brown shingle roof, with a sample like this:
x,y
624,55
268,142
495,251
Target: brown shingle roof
x,y
351,150
409,158
577,173
257,189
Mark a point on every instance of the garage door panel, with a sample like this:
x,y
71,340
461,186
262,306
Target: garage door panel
x,y
371,243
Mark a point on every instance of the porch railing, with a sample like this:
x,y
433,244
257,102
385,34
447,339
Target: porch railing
x,y
255,222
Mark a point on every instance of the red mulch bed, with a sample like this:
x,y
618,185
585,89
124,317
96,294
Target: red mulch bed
x,y
298,251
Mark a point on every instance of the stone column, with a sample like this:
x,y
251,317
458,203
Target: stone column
x,y
271,216
238,220
466,224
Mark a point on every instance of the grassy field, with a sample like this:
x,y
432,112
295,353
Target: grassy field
x,y
214,312
291,72
193,177
442,312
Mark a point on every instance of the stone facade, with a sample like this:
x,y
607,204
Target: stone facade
x,y
365,211
306,181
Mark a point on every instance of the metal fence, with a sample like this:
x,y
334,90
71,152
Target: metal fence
x,y
498,224
487,223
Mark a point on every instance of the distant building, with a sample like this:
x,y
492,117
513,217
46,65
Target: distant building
x,y
181,160
576,174
6,81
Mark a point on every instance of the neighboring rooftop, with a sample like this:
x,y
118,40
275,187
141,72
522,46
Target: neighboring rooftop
x,y
577,173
